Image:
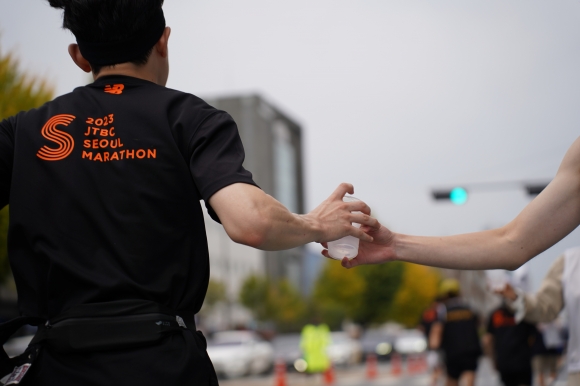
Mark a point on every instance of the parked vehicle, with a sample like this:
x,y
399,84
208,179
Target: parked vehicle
x,y
344,350
238,353
378,342
409,342
287,349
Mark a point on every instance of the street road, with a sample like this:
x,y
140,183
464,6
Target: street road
x,y
356,376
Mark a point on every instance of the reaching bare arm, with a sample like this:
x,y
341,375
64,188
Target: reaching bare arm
x,y
254,218
544,222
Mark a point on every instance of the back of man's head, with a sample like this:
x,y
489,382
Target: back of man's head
x,y
111,32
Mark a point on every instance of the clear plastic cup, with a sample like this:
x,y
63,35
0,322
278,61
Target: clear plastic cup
x,y
348,245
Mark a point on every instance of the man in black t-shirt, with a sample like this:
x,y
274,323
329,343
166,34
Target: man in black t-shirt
x,y
511,345
106,228
456,335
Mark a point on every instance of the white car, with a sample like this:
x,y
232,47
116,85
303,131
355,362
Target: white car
x,y
410,342
343,350
238,353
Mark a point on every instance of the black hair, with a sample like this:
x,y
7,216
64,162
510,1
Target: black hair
x,y
108,21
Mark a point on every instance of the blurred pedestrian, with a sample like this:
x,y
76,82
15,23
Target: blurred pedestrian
x,y
314,341
510,344
456,334
546,353
560,288
431,315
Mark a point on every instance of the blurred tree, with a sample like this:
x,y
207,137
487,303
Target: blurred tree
x,y
18,92
337,294
288,305
417,291
277,302
364,294
216,292
382,284
255,296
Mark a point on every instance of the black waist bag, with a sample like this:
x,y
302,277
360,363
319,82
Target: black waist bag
x,y
93,327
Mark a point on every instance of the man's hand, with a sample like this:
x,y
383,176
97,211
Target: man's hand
x,y
334,217
253,218
380,250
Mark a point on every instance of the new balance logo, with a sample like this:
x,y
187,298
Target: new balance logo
x,y
116,89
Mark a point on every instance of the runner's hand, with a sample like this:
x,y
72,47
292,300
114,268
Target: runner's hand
x,y
508,292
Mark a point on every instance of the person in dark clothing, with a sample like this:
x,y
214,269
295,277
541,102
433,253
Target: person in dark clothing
x,y
430,316
511,344
107,240
456,335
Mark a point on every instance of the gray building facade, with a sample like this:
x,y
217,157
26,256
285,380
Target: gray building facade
x,y
273,145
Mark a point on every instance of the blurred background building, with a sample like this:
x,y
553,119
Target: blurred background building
x,y
273,145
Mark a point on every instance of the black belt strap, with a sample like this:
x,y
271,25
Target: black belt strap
x,y
101,326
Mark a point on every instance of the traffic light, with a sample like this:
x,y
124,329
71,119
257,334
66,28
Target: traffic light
x,y
457,196
535,189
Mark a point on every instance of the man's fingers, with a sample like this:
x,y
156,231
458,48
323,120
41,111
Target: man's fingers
x,y
324,244
360,234
342,189
364,219
358,206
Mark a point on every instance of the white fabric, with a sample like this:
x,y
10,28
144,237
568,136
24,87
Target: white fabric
x,y
519,306
552,335
571,287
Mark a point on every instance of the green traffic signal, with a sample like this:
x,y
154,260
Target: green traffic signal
x,y
458,196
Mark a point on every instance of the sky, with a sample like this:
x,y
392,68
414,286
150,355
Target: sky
x,y
395,97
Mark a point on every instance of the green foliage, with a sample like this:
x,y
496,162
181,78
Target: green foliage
x,y
364,294
255,296
336,294
216,292
382,283
18,92
418,290
277,302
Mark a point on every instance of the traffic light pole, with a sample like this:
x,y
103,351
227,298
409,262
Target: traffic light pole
x,y
460,193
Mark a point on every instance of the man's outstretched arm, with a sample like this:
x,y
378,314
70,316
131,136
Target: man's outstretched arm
x,y
545,221
254,218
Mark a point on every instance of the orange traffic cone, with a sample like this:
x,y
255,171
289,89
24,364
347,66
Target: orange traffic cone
x,y
329,376
422,363
372,366
396,365
280,377
412,365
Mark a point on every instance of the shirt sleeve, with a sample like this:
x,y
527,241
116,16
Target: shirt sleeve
x,y
6,159
216,157
547,303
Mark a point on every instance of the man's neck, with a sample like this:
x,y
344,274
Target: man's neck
x,y
129,69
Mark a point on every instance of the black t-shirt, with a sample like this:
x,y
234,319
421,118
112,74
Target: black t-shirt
x,y
460,338
104,186
512,341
